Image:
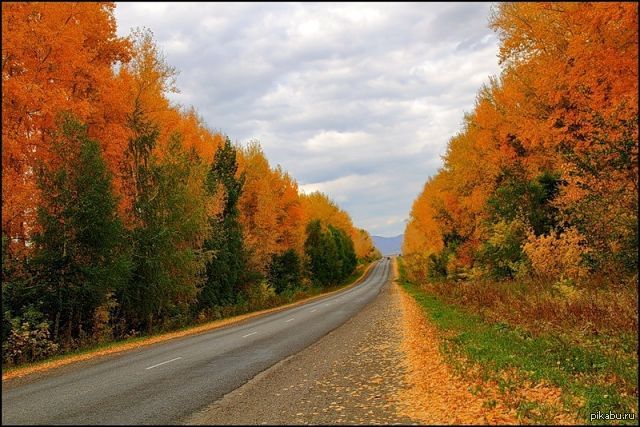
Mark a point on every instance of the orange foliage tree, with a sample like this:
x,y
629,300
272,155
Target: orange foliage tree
x,y
271,213
552,144
55,57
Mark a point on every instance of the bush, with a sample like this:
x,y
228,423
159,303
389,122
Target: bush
x,y
27,342
261,295
502,252
542,308
102,328
557,256
437,266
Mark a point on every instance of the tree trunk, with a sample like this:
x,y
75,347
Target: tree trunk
x,y
56,328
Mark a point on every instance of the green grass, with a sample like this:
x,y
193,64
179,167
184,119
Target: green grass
x,y
577,371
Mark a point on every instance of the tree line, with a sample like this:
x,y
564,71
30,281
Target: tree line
x,y
542,180
123,213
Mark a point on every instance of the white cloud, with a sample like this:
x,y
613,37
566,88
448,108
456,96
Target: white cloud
x,y
356,100
177,45
331,142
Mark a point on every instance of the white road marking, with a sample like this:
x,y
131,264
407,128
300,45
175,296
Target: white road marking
x,y
248,335
314,310
168,361
289,320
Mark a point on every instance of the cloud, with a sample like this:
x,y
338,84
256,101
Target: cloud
x,y
354,99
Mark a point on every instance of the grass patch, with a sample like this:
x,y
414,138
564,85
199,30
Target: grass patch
x,y
601,380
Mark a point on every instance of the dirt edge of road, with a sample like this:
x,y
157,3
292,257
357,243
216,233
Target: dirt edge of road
x,y
44,366
437,395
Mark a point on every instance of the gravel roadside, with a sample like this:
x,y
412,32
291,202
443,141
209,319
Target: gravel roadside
x,y
350,376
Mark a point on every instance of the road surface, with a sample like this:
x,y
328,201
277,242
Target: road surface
x,y
166,383
354,375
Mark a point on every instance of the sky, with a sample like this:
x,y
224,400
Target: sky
x,y
357,100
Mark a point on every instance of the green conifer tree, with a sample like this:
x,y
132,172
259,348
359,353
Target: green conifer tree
x,y
226,269
78,253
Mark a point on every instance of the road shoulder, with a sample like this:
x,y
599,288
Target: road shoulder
x,y
350,376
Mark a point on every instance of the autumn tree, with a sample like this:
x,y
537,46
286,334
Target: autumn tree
x,y
319,206
550,149
583,81
322,208
55,57
271,212
364,248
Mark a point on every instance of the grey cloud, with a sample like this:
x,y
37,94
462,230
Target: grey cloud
x,y
357,100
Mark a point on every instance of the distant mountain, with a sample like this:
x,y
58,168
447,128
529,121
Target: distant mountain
x,y
388,245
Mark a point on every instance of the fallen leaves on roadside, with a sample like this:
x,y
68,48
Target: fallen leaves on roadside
x,y
436,395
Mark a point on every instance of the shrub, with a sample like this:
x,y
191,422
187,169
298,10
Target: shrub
x,y
102,328
27,342
502,252
437,266
260,295
557,256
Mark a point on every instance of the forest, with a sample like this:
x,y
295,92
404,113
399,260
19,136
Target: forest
x,y
542,180
123,213
532,221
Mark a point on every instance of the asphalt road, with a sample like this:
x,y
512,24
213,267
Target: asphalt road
x,y
167,382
